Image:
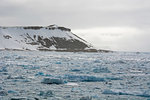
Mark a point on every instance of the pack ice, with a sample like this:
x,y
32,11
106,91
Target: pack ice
x,y
37,75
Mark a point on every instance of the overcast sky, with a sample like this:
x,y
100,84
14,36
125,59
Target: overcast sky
x,y
122,25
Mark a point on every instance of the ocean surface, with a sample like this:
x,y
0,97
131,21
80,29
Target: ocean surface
x,y
34,75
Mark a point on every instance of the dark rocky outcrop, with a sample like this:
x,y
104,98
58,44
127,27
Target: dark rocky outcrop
x,y
33,27
71,44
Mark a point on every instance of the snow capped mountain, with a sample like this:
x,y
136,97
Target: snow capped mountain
x,y
47,38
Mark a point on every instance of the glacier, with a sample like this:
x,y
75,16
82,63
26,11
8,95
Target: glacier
x,y
38,75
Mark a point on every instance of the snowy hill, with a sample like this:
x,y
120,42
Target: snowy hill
x,y
47,38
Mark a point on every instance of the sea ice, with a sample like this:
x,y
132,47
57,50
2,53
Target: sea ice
x,y
86,98
48,93
102,76
127,92
101,70
52,81
18,98
85,78
72,84
3,93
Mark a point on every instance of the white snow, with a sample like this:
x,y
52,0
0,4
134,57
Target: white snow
x,y
18,35
52,47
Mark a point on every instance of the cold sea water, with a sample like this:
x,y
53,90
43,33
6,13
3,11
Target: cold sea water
x,y
34,75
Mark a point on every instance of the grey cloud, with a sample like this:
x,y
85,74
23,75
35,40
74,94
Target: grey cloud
x,y
91,13
82,14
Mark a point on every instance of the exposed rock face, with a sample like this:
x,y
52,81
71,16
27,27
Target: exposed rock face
x,y
42,38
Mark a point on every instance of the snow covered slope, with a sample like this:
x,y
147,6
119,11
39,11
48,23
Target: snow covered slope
x,y
49,38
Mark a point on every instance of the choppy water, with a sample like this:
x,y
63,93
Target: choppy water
x,y
83,76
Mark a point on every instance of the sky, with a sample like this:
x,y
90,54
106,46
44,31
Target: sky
x,y
118,25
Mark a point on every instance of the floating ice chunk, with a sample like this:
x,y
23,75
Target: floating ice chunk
x,y
15,77
92,79
97,61
75,70
58,63
101,70
3,93
95,97
117,92
113,78
48,93
4,73
48,75
119,62
145,94
75,89
9,77
34,67
121,92
20,57
80,78
109,92
31,67
31,77
74,78
85,63
52,81
148,83
12,92
39,74
36,98
18,80
18,98
42,74
24,66
72,84
7,57
86,98
3,69
135,71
